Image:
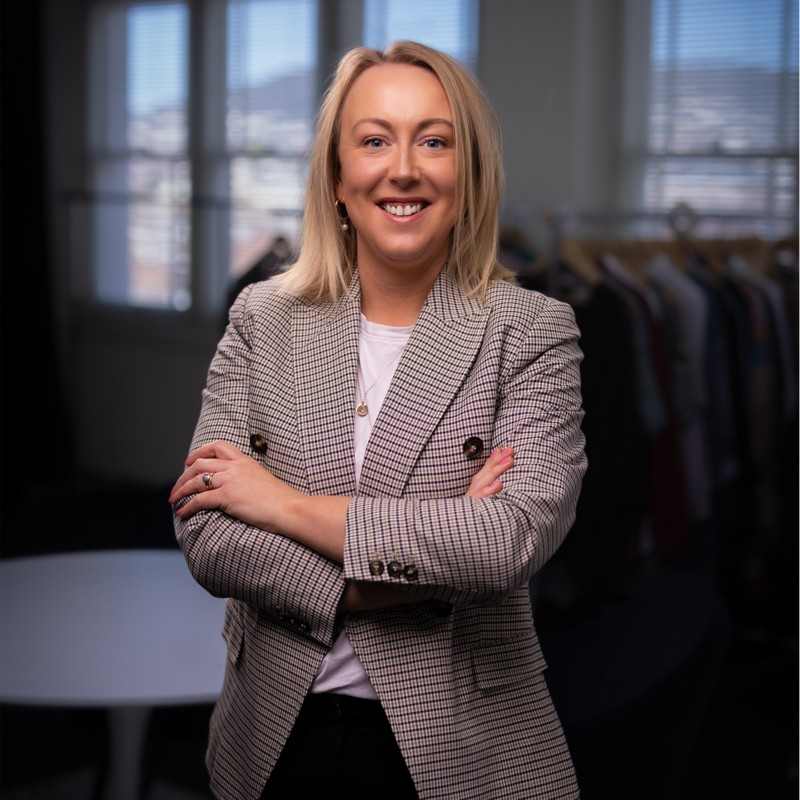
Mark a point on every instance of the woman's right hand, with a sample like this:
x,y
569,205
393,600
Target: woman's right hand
x,y
486,481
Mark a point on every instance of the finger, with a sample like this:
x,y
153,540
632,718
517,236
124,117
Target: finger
x,y
486,491
217,449
187,480
200,501
499,462
203,475
495,467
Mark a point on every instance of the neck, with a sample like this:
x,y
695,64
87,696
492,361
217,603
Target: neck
x,y
394,300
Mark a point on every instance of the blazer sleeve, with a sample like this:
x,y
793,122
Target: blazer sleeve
x,y
477,551
230,558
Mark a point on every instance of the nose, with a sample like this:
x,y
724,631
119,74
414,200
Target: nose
x,y
405,167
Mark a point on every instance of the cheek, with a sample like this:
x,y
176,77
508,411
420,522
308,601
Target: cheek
x,y
357,176
445,177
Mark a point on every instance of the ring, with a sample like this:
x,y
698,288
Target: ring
x,y
207,478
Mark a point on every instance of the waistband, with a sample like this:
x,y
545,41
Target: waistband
x,y
342,707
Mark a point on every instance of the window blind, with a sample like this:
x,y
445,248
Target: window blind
x,y
720,107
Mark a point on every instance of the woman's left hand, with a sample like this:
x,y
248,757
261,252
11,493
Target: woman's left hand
x,y
220,476
486,482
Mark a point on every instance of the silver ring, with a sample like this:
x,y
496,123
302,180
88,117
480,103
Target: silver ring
x,y
207,478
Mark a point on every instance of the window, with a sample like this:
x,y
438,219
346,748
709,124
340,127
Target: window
x,y
271,108
141,176
449,25
194,179
712,118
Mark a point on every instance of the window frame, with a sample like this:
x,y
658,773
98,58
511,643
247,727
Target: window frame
x,y
638,156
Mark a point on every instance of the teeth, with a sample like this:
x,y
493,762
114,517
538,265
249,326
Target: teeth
x,y
402,211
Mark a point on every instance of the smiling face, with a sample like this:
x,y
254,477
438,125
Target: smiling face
x,y
398,169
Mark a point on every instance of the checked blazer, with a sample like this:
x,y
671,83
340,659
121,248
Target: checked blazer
x,y
460,673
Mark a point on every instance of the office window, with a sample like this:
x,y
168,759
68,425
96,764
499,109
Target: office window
x,y
202,118
139,210
712,117
448,25
271,109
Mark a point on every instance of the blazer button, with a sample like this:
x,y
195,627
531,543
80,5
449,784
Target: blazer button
x,y
376,567
258,443
411,572
395,569
473,447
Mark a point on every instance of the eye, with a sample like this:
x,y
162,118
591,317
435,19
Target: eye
x,y
435,144
373,142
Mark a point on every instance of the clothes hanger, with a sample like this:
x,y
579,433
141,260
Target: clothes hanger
x,y
575,255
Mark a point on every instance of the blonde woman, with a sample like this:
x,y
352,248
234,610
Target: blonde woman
x,y
389,447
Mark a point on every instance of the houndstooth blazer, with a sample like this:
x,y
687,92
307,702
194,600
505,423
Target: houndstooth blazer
x,y
460,674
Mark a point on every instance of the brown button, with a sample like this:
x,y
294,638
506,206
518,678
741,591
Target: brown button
x,y
376,567
258,443
473,447
395,569
411,572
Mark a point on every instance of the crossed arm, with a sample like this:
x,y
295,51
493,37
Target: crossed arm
x,y
242,488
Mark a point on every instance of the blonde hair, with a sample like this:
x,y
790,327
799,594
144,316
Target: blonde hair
x,y
327,257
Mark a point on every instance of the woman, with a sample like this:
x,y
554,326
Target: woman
x,y
389,447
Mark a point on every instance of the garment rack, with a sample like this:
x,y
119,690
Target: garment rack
x,y
682,223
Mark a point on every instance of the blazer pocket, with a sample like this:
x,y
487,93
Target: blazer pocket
x,y
233,631
504,662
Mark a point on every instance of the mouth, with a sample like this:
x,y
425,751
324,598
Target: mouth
x,y
403,209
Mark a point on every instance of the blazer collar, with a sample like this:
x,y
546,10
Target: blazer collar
x,y
443,345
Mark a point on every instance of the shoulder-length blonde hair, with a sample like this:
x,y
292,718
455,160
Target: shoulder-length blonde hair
x,y
327,257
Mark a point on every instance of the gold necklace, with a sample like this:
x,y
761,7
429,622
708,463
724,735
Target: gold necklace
x,y
362,409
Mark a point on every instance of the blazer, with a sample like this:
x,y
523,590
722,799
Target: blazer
x,y
459,674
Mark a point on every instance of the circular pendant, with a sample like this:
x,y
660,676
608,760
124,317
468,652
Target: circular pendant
x,y
361,409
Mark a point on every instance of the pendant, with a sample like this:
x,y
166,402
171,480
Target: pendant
x,y
361,409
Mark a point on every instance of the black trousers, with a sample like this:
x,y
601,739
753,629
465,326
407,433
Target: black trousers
x,y
340,747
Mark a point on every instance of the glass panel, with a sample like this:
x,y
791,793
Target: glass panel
x,y
157,84
272,105
448,25
159,233
728,185
722,130
140,222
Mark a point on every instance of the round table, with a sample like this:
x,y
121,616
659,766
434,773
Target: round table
x,y
127,630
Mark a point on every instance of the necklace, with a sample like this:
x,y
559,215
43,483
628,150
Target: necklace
x,y
362,409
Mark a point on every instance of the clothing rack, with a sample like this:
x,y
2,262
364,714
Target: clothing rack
x,y
689,386
681,224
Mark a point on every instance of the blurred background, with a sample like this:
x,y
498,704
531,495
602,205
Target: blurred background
x,y
156,156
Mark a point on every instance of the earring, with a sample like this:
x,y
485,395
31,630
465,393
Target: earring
x,y
343,218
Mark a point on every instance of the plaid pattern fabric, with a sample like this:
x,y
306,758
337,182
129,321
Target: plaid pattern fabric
x,y
460,673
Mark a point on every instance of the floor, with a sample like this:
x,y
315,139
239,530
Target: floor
x,y
744,746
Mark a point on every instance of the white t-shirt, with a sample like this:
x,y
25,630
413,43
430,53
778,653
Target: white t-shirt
x,y
379,349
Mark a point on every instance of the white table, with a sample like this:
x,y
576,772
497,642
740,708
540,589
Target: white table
x,y
127,630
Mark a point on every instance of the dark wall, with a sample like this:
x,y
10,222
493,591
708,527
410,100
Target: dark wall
x,y
36,442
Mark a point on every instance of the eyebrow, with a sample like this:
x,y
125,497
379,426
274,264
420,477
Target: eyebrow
x,y
425,123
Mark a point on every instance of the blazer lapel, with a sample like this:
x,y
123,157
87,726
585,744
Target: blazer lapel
x,y
440,352
325,343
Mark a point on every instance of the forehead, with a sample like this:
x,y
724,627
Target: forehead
x,y
386,89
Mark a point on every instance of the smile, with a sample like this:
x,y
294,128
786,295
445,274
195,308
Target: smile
x,y
401,210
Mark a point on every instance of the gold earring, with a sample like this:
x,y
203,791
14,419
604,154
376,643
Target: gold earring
x,y
344,220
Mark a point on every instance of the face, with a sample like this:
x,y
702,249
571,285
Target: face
x,y
398,168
